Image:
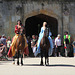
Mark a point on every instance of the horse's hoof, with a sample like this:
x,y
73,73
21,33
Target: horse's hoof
x,y
17,63
21,64
41,64
47,64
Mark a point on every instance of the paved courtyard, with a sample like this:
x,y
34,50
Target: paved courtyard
x,y
57,66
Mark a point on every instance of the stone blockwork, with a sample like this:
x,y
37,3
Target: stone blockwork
x,y
12,10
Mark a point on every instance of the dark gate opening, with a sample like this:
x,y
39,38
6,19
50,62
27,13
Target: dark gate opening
x,y
33,24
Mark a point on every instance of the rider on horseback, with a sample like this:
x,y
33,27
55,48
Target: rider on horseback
x,y
17,30
40,37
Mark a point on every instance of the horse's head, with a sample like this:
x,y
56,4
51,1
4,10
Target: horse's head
x,y
46,32
22,31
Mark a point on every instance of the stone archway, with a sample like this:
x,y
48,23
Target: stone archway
x,y
33,24
48,14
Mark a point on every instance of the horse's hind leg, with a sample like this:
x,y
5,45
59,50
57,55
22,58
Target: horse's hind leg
x,y
41,61
21,59
18,58
45,54
41,58
47,59
13,60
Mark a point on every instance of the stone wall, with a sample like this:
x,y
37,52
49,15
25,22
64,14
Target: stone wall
x,y
12,10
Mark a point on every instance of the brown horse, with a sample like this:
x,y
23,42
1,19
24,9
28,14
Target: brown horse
x,y
20,45
44,48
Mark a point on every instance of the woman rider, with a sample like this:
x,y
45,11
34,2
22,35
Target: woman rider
x,y
41,36
12,48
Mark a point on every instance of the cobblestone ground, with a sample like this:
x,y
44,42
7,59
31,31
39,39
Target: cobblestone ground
x,y
57,66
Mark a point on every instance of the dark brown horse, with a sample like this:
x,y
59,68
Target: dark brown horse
x,y
44,48
20,45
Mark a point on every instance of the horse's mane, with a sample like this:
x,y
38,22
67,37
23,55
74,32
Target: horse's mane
x,y
22,30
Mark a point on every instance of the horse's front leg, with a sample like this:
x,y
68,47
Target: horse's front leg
x,y
18,57
22,59
13,60
45,53
47,59
41,58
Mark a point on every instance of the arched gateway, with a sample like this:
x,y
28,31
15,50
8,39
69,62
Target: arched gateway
x,y
34,22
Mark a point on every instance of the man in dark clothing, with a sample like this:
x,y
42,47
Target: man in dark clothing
x,y
3,40
67,41
66,44
1,44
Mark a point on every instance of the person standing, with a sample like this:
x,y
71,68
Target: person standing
x,y
29,46
66,45
8,43
3,39
1,49
33,43
69,36
58,45
73,47
1,44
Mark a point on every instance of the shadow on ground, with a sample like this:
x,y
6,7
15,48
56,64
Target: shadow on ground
x,y
54,65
